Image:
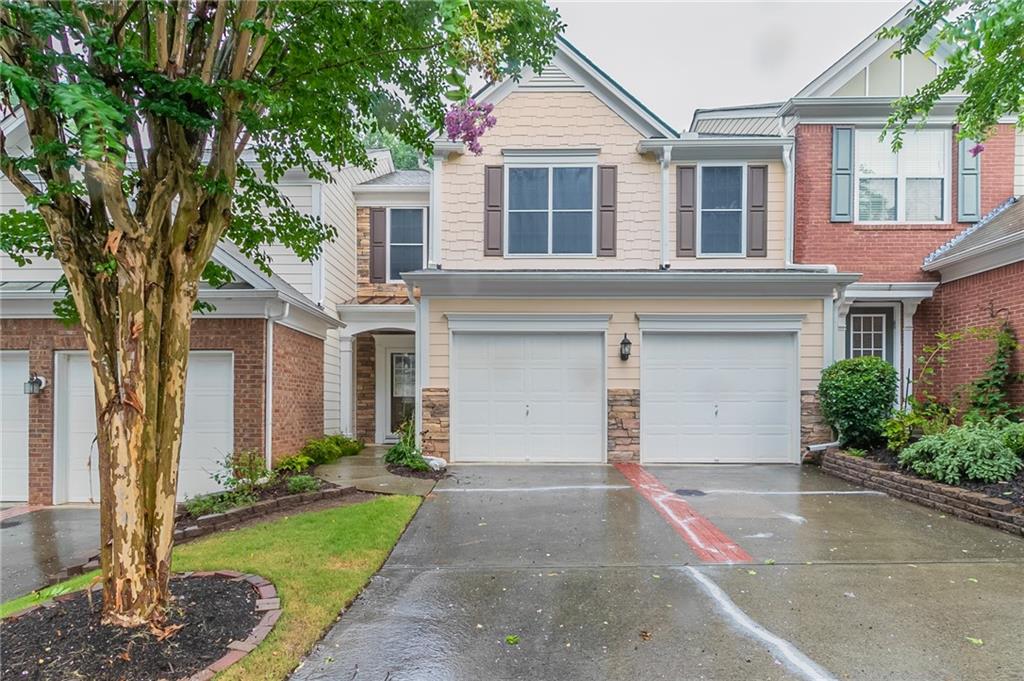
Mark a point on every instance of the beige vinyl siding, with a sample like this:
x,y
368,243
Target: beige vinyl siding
x,y
305,197
537,120
776,254
623,311
39,269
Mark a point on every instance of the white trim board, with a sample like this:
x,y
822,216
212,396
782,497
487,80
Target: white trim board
x,y
700,323
530,323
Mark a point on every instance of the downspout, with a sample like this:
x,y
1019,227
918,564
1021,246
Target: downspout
x,y
788,163
268,390
666,157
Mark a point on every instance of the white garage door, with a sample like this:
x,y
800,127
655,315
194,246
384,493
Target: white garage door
x,y
520,397
208,433
719,397
13,426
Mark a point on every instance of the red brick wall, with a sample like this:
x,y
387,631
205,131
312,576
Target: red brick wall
x,y
880,252
366,388
965,303
42,337
298,390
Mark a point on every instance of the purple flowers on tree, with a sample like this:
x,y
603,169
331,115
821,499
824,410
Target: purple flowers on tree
x,y
977,149
468,122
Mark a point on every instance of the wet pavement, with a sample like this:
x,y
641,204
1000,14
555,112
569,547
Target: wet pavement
x,y
843,583
367,473
40,543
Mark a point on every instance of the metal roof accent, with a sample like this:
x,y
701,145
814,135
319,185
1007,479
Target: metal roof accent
x,y
1001,221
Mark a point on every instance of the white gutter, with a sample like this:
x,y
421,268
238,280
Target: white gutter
x,y
666,160
268,391
787,162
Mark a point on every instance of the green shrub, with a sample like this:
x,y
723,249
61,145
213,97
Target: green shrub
x,y
297,484
921,419
244,472
974,451
217,502
330,448
405,452
859,453
856,396
296,463
1013,436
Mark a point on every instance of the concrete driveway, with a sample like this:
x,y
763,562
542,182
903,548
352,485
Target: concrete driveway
x,y
606,575
37,542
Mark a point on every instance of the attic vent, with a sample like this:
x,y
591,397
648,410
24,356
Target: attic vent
x,y
552,78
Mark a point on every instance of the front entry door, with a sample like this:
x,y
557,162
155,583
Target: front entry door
x,y
396,383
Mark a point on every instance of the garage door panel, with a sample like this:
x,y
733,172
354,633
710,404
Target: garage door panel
x,y
527,397
14,371
726,397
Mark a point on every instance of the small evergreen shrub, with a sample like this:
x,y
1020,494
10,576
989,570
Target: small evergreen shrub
x,y
297,484
330,448
857,396
979,451
405,452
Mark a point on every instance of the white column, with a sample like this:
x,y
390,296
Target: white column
x,y
839,342
907,340
346,380
434,247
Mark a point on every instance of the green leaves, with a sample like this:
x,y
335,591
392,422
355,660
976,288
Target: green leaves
x,y
856,396
974,451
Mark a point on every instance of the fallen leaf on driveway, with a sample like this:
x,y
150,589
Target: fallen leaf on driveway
x,y
769,561
512,640
972,579
751,572
645,635
974,641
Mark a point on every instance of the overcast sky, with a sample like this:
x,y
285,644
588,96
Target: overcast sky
x,y
678,56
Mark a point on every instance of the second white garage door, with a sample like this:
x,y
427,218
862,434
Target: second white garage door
x,y
207,438
719,397
519,397
13,426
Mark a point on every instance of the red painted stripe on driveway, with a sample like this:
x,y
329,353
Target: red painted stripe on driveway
x,y
15,511
709,543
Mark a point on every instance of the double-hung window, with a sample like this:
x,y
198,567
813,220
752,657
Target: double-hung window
x,y
406,232
720,222
550,210
911,185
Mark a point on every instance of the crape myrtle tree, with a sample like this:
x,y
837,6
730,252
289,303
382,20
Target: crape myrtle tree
x,y
986,64
159,127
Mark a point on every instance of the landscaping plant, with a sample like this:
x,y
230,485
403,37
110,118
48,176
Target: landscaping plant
x,y
330,448
405,453
294,464
297,484
979,451
138,115
857,396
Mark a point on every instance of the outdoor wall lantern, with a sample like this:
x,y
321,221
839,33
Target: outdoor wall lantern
x,y
625,346
34,385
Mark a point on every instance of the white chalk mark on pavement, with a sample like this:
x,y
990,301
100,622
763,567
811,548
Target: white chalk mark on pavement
x,y
556,488
798,519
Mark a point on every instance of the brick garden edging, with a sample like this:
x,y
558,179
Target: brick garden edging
x,y
267,602
216,522
962,503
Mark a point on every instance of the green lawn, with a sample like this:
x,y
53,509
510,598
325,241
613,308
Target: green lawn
x,y
318,561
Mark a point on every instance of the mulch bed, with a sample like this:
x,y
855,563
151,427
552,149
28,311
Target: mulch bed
x,y
1012,490
413,473
65,640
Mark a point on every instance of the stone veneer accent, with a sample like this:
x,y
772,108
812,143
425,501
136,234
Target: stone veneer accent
x,y
366,291
366,388
435,426
974,506
623,425
813,429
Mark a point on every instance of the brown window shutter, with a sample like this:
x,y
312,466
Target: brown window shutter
x,y
686,212
378,245
757,211
494,209
606,210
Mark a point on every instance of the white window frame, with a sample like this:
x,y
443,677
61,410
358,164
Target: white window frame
x,y
422,244
550,167
853,333
901,184
742,165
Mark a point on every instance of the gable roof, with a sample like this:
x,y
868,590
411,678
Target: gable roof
x,y
860,56
1001,228
571,70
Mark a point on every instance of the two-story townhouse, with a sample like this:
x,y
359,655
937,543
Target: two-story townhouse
x,y
890,216
265,371
594,287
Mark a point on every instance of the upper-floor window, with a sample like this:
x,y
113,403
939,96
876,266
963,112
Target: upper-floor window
x,y
911,185
720,221
406,232
550,210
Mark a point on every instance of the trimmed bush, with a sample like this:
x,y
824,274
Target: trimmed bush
x,y
980,451
330,448
856,397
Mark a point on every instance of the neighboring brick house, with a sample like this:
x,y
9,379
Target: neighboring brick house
x,y
861,208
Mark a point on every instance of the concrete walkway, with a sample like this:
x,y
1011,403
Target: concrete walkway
x,y
366,470
598,579
43,541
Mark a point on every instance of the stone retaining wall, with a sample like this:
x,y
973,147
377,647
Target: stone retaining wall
x,y
974,506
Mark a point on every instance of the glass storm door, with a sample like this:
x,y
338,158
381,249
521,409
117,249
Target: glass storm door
x,y
402,397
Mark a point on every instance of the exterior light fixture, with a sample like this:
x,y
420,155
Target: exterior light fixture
x,y
625,346
34,385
